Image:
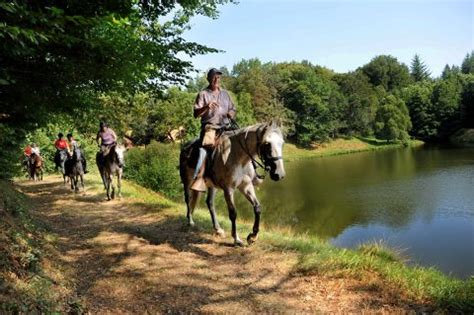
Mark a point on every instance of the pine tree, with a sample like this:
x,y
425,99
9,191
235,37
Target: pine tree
x,y
468,63
418,70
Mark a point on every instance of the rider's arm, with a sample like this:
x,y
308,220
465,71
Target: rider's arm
x,y
200,108
113,134
232,110
97,138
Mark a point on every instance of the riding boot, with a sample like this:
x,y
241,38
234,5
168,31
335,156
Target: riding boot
x,y
199,184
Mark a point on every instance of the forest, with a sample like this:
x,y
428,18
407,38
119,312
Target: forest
x,y
65,68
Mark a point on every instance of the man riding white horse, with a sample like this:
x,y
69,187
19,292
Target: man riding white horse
x,y
215,108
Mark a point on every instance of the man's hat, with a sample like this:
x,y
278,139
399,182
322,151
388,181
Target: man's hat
x,y
212,72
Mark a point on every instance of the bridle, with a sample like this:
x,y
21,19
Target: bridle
x,y
263,151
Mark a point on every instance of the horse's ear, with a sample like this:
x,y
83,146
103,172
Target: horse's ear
x,y
275,123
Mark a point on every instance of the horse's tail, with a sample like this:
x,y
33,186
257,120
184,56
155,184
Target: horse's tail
x,y
187,159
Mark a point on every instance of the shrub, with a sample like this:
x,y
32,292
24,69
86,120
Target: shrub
x,y
155,167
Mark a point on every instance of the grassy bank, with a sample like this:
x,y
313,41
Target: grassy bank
x,y
30,278
375,264
292,152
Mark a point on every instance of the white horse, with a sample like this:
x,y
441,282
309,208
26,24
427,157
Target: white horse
x,y
109,166
233,166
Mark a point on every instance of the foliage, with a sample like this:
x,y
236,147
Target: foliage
x,y
417,98
467,65
361,104
155,167
313,98
57,58
26,287
387,72
467,102
446,102
418,70
392,122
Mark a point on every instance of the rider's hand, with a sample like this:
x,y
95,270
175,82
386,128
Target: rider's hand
x,y
212,105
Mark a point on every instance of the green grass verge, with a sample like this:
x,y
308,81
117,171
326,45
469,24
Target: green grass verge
x,y
316,256
27,284
292,152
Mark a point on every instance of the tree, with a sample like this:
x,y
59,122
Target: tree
x,y
361,104
417,98
418,70
52,54
313,98
392,121
467,65
467,102
387,72
446,98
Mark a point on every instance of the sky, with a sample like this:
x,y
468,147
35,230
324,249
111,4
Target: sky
x,y
340,35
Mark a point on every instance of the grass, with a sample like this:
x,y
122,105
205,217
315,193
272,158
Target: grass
x,y
292,152
425,285
29,282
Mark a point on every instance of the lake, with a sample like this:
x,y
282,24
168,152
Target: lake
x,y
419,201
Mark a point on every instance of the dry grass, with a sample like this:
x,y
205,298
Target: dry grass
x,y
128,256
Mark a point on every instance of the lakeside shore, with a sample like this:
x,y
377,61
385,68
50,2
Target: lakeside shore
x,y
372,265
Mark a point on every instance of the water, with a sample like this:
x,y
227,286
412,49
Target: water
x,y
418,200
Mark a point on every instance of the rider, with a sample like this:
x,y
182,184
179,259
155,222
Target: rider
x,y
215,108
73,145
26,156
108,139
61,145
35,149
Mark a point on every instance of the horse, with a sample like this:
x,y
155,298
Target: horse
x,y
109,166
35,166
60,160
74,170
233,166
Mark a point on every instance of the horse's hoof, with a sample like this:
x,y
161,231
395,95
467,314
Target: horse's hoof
x,y
251,238
238,243
220,233
191,224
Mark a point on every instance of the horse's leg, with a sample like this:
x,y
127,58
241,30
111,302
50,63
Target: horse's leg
x,y
82,182
229,198
112,184
108,184
76,182
119,183
211,195
102,175
191,199
249,192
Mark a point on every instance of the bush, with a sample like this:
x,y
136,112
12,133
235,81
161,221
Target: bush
x,y
155,167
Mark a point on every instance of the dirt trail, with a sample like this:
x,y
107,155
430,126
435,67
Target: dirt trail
x,y
121,257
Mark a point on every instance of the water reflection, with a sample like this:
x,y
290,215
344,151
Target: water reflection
x,y
421,199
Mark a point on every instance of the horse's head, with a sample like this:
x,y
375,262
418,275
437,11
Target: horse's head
x,y
76,154
119,150
271,150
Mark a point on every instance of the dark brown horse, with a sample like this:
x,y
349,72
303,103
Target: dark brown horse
x,y
35,166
